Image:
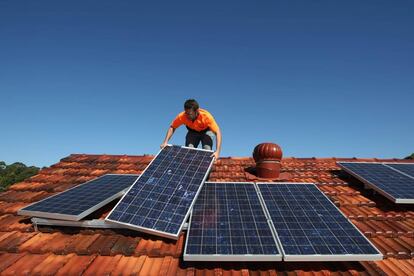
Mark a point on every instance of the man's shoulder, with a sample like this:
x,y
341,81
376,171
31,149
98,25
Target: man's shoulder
x,y
203,111
181,114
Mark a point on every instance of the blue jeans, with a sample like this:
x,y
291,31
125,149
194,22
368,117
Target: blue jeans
x,y
193,139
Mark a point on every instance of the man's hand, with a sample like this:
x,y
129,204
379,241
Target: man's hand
x,y
215,155
163,145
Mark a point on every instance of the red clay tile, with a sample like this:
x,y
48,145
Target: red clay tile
x,y
51,265
10,207
151,266
143,247
356,200
32,245
24,196
129,266
46,242
25,265
389,268
7,259
30,186
80,244
165,266
13,223
173,268
395,247
56,244
403,265
76,265
12,242
102,265
6,235
124,246
127,171
103,244
370,268
338,190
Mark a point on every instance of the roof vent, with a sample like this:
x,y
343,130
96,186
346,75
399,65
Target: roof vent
x,y
267,157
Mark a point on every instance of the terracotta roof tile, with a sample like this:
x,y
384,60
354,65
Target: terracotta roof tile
x,y
55,242
102,265
401,247
80,244
25,265
47,242
10,222
5,235
354,200
151,266
395,267
30,186
25,196
10,207
372,213
12,242
129,265
34,244
52,264
76,265
103,244
7,259
338,190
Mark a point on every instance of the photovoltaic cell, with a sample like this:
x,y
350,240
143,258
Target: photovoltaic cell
x,y
160,200
82,200
311,228
387,181
405,168
228,224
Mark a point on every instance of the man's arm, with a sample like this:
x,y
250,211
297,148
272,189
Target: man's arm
x,y
218,136
170,133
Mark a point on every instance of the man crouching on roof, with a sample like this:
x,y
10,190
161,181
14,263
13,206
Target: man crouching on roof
x,y
201,126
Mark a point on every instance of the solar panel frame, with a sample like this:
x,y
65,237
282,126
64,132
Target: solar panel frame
x,y
61,216
93,223
398,167
235,257
375,187
153,231
320,257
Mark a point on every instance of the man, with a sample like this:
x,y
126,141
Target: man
x,y
201,127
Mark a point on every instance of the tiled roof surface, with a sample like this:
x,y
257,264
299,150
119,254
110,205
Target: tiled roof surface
x,y
72,251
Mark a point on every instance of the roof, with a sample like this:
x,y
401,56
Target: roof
x,y
66,250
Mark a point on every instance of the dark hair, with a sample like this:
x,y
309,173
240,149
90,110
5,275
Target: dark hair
x,y
191,104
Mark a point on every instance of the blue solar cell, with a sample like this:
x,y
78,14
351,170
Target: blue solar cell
x,y
405,168
80,201
160,200
387,181
310,227
228,224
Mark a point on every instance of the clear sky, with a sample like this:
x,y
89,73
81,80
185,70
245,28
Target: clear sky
x,y
320,78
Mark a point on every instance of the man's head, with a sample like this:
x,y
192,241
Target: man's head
x,y
191,109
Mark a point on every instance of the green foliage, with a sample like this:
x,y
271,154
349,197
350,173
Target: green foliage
x,y
16,172
410,156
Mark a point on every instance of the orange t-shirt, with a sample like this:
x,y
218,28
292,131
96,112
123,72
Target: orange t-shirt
x,y
203,121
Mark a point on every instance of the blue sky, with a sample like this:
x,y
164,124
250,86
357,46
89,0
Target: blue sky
x,y
320,78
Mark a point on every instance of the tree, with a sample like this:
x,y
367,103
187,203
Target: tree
x,y
16,172
410,156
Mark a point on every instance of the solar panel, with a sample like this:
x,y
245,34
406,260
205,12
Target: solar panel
x,y
80,201
387,181
228,224
403,167
160,200
311,228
